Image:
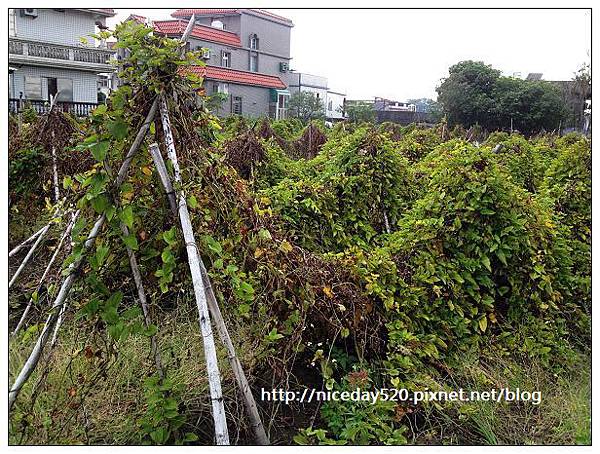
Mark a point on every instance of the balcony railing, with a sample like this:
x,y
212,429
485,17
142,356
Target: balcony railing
x,y
15,47
78,109
47,51
59,52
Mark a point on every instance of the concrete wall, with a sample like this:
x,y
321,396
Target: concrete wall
x,y
335,103
231,23
85,85
58,27
240,58
255,100
274,38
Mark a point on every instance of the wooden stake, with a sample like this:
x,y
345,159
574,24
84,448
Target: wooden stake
x,y
137,277
46,271
213,306
36,353
210,351
54,162
217,317
29,255
26,242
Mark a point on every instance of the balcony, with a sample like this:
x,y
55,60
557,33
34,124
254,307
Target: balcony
x,y
46,54
78,109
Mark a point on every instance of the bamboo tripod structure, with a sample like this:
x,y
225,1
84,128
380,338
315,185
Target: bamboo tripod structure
x,y
206,301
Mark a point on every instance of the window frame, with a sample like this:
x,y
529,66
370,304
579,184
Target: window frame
x,y
236,101
27,83
253,42
253,56
224,54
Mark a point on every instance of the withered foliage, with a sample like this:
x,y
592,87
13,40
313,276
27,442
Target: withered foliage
x,y
309,144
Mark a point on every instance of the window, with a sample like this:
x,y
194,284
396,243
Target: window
x,y
64,88
330,105
12,24
253,42
236,105
217,24
219,87
226,59
33,87
253,66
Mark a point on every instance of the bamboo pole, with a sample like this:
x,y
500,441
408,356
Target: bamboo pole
x,y
210,351
46,271
137,277
29,255
26,242
37,351
53,100
217,316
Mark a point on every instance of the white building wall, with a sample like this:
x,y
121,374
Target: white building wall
x,y
334,106
85,84
58,27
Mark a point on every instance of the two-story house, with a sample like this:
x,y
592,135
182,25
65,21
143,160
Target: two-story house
x,y
48,56
332,101
247,53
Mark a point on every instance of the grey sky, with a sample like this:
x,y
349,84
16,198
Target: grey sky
x,y
402,54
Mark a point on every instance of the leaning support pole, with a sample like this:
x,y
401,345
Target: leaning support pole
x,y
46,271
217,317
53,100
26,242
37,351
137,277
29,255
210,351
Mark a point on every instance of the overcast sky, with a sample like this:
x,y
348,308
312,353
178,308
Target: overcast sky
x,y
402,54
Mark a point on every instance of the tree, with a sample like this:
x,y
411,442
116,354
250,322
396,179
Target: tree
x,y
476,93
305,106
360,111
466,94
429,107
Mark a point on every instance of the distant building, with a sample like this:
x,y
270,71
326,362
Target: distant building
x,y
383,104
47,56
247,55
577,96
333,102
335,106
393,111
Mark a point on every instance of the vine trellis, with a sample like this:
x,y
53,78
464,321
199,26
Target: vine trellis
x,y
207,305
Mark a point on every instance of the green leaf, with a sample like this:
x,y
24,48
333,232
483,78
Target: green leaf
x,y
192,202
213,244
131,241
100,204
150,331
102,108
189,437
501,256
101,253
486,262
483,324
99,150
118,129
126,215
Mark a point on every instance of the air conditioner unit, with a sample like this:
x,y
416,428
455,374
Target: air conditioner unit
x,y
206,54
29,12
283,67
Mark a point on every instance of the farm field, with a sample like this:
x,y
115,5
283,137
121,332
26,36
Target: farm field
x,y
358,256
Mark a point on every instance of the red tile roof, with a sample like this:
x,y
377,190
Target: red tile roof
x,y
203,32
138,18
235,76
206,12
